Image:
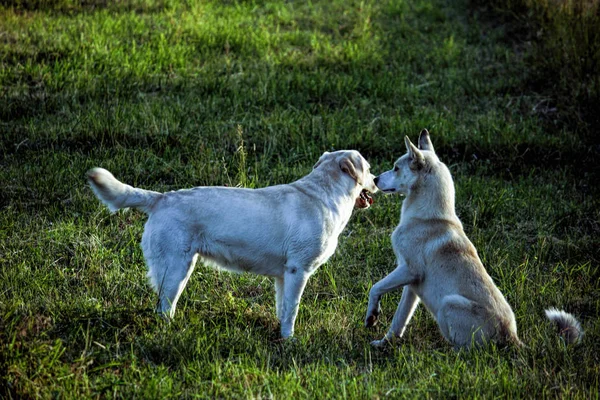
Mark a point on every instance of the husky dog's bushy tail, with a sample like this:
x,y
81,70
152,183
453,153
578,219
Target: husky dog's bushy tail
x,y
117,195
568,326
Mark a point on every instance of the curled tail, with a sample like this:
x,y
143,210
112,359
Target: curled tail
x,y
117,195
568,326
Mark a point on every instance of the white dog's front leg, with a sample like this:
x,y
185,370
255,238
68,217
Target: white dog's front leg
x,y
399,277
406,308
294,281
279,296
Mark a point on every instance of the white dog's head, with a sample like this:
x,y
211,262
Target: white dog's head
x,y
344,164
410,169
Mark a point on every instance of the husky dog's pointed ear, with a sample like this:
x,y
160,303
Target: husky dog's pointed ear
x,y
425,141
415,154
347,166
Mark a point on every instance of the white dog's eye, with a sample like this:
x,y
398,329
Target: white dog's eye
x,y
396,168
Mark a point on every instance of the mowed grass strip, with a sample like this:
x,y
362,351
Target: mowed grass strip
x,y
173,94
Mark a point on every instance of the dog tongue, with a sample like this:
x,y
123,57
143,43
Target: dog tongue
x,y
364,200
367,196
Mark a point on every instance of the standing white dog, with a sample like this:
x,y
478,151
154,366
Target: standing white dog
x,y
437,263
284,231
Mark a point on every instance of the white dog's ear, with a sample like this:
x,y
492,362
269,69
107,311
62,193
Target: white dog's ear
x,y
347,165
425,141
321,159
415,154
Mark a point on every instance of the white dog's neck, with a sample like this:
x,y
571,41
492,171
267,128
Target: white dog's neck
x,y
432,199
340,206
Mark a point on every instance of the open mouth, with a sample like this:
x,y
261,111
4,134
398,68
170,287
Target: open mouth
x,y
364,200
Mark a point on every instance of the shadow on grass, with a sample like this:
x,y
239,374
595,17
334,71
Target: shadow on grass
x,y
97,341
225,337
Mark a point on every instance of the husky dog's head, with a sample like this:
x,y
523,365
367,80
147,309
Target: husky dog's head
x,y
413,169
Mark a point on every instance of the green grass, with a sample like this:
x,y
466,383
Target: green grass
x,y
173,94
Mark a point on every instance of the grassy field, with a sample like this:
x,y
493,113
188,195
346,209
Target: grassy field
x,y
172,94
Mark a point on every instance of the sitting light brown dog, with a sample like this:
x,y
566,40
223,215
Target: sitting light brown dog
x,y
438,264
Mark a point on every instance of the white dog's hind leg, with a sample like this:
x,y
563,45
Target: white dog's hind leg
x,y
294,281
170,279
406,308
399,277
279,296
170,260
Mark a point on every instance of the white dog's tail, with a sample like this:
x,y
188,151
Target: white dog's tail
x,y
568,326
117,195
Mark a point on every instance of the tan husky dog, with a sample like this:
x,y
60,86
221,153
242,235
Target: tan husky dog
x,y
437,263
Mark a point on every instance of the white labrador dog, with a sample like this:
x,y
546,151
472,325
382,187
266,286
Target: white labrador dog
x,y
284,231
437,264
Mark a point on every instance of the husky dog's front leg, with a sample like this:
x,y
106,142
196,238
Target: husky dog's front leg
x,y
294,281
406,308
399,277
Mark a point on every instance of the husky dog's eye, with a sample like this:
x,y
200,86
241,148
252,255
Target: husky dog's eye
x,y
396,168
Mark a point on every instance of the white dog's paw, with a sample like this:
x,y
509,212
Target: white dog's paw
x,y
164,316
380,343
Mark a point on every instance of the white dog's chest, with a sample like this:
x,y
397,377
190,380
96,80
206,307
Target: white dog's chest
x,y
329,249
329,242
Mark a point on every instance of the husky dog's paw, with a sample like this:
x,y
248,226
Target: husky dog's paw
x,y
371,320
380,343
